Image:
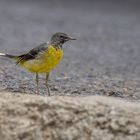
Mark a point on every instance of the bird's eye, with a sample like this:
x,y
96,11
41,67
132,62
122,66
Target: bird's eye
x,y
61,36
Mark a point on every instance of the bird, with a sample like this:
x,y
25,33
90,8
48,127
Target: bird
x,y
43,58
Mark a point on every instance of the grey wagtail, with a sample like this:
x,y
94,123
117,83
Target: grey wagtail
x,y
43,58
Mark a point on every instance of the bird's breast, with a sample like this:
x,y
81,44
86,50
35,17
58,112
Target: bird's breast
x,y
45,61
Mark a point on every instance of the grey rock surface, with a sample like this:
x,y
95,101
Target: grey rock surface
x,y
104,60
30,117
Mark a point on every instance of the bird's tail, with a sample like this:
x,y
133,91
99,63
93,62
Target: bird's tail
x,y
8,55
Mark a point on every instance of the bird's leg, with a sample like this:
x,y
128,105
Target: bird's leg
x,y
37,83
47,77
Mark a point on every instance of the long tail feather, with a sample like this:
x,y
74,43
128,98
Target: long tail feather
x,y
8,55
2,54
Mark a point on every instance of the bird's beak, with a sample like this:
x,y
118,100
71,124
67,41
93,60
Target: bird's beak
x,y
71,38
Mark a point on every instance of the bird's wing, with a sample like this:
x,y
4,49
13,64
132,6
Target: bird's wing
x,y
32,54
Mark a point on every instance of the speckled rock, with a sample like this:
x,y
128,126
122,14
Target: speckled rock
x,y
33,117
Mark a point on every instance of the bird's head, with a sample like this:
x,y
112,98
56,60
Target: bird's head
x,y
60,38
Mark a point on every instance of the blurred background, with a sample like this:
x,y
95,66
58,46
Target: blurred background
x,y
105,59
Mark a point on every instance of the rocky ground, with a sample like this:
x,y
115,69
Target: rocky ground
x,y
104,60
28,117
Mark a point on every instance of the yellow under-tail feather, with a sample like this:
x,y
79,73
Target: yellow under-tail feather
x,y
45,61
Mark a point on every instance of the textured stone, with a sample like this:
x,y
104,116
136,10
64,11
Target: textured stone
x,y
33,117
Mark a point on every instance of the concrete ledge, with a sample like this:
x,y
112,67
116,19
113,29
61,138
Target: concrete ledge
x,y
33,117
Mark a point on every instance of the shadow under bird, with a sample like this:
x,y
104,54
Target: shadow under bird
x,y
43,58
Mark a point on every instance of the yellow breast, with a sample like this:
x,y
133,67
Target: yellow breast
x,y
45,61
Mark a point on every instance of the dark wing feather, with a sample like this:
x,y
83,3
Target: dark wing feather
x,y
32,54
